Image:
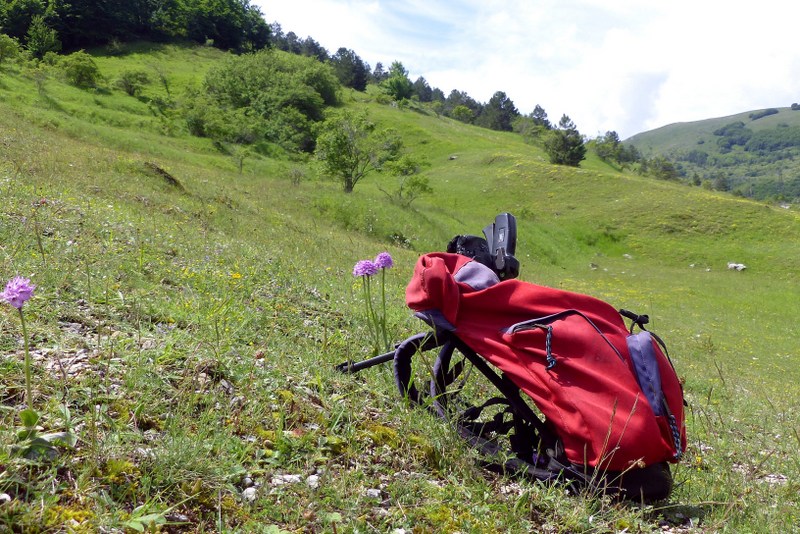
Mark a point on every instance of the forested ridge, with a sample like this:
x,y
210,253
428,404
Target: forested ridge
x,y
753,154
278,106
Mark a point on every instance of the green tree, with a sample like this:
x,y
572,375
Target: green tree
x,y
564,146
721,182
311,48
608,147
229,24
16,16
9,48
533,125
350,147
422,90
411,184
539,116
397,85
379,74
461,98
350,69
659,167
499,113
41,39
463,114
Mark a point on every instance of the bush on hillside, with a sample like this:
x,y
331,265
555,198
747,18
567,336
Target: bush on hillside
x,y
132,81
9,48
761,114
267,95
732,134
80,69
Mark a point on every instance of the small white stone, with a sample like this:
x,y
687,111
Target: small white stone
x,y
250,494
280,480
313,481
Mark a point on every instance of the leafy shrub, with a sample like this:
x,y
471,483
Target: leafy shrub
x,y
732,134
132,81
9,48
296,175
80,69
761,114
266,95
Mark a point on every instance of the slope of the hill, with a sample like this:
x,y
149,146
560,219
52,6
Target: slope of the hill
x,y
187,318
753,154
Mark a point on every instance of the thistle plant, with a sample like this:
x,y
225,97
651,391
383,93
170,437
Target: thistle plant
x,y
18,291
366,269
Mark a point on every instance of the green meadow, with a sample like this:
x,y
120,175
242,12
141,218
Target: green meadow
x,y
189,313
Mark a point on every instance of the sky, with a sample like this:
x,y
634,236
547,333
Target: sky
x,y
611,65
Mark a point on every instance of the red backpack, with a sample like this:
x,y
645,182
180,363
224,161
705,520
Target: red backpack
x,y
612,398
582,398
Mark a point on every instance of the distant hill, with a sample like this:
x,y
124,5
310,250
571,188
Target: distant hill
x,y
754,154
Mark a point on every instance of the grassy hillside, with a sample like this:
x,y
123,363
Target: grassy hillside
x,y
187,318
766,170
685,136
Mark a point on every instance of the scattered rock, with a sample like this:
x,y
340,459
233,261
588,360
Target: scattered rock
x,y
313,481
280,480
250,494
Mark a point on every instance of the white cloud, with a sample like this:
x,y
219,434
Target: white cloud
x,y
623,65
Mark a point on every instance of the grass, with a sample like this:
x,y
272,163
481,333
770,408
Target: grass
x,y
186,334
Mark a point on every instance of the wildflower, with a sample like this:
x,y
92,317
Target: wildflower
x,y
384,260
377,322
18,291
365,268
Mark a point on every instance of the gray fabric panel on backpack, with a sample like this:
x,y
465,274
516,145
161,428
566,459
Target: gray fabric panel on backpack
x,y
645,364
477,276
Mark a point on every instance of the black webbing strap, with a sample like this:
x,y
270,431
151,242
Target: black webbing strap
x,y
402,361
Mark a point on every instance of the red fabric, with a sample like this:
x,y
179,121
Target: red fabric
x,y
591,395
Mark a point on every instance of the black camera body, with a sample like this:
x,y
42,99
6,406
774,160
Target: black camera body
x,y
496,251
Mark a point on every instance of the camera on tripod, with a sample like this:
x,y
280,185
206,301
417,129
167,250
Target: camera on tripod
x,y
496,251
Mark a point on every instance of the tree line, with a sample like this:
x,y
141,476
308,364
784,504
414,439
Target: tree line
x,y
76,24
263,99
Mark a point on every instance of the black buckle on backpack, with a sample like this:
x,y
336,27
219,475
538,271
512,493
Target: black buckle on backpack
x,y
638,320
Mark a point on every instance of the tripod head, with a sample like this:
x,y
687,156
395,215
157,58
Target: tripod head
x,y
496,251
